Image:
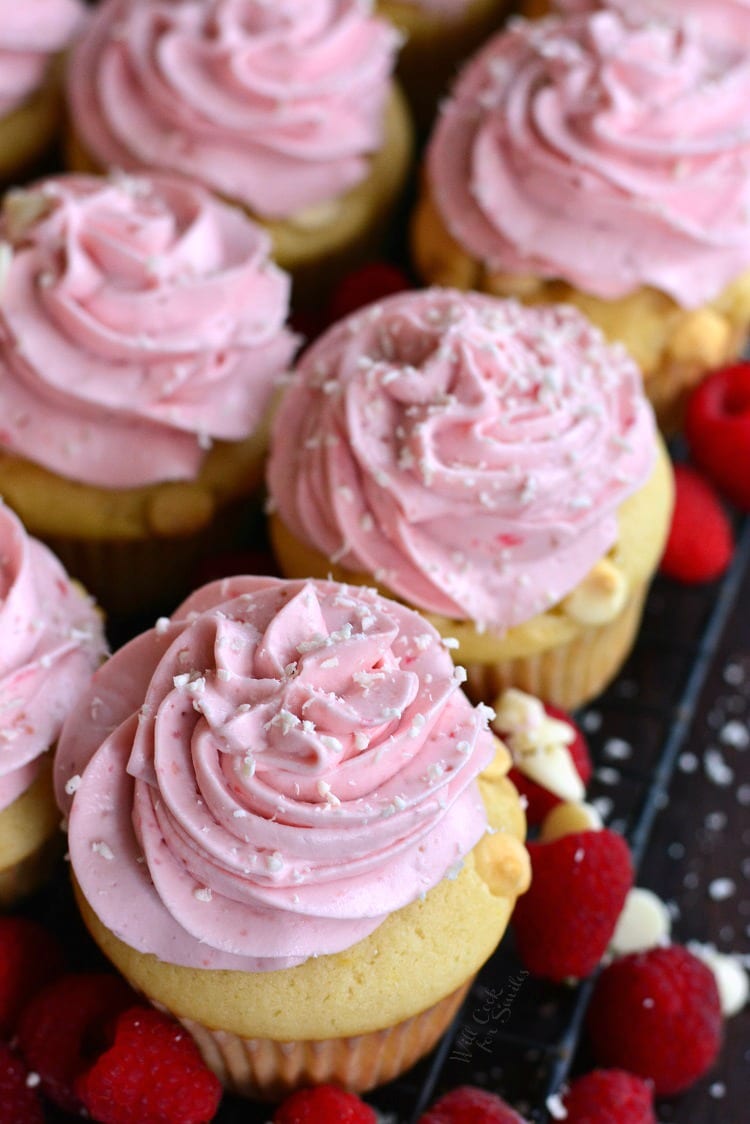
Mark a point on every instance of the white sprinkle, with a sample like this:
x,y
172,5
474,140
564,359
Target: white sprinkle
x,y
72,785
459,674
718,1090
721,889
734,674
248,765
274,862
330,743
103,849
736,735
417,725
162,625
181,680
361,741
451,642
463,748
32,1080
716,768
688,763
324,790
608,775
202,894
240,814
617,749
423,642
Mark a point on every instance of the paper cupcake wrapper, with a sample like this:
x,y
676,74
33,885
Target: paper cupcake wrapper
x,y
567,675
269,1070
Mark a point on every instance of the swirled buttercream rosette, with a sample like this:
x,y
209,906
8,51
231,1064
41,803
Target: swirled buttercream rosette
x,y
134,310
469,453
279,106
720,19
267,775
634,132
52,642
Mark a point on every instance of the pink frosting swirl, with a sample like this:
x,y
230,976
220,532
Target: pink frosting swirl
x,y
140,311
52,641
30,35
468,452
721,19
278,105
610,154
270,773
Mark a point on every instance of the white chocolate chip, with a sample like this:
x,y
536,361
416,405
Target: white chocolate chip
x,y
539,744
600,597
731,978
568,819
644,923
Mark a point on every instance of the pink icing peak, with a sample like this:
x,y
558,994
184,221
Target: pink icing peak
x,y
635,134
52,642
721,19
134,310
30,35
293,760
276,105
468,452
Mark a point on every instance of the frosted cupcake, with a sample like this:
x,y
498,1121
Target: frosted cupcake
x,y
33,37
494,466
439,34
287,108
279,831
141,337
52,641
607,164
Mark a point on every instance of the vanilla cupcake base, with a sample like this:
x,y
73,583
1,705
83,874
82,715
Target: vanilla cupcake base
x,y
136,549
568,654
319,245
675,347
361,1016
30,839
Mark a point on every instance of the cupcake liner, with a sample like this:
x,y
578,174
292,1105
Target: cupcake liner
x,y
569,674
268,1070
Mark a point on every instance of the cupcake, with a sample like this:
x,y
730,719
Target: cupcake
x,y
52,642
141,337
287,109
33,37
493,465
439,34
606,164
279,831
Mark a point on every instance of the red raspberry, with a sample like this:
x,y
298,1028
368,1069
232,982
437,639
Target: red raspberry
x,y
689,556
325,1104
64,1027
467,1105
541,800
19,1104
608,1095
364,286
29,958
579,883
152,1074
717,427
657,1014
